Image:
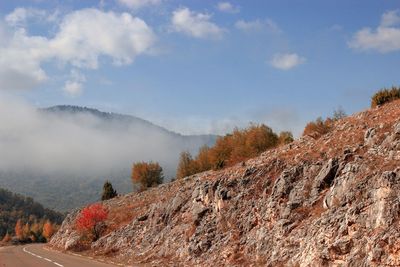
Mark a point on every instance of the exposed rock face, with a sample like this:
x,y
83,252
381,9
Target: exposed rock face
x,y
334,201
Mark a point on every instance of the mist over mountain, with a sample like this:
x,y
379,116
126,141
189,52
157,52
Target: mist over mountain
x,y
62,155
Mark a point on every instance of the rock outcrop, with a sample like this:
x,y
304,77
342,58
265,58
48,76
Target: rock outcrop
x,y
334,201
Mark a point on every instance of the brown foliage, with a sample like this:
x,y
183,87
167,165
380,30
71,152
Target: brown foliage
x,y
48,230
6,238
230,149
186,166
384,96
147,174
318,128
19,233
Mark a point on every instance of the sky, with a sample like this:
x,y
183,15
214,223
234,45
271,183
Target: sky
x,y
201,66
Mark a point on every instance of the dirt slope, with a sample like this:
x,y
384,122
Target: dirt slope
x,y
334,201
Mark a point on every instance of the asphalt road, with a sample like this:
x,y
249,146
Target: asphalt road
x,y
37,256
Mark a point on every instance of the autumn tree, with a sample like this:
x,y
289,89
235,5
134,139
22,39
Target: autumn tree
x,y
186,165
36,231
48,230
19,233
285,138
147,174
26,231
91,220
203,159
6,238
108,191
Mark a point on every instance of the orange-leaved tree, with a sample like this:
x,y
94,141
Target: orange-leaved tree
x,y
91,220
48,230
147,174
19,233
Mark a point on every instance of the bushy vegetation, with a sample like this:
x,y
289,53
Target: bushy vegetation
x,y
147,174
108,191
320,127
91,221
384,96
230,149
30,216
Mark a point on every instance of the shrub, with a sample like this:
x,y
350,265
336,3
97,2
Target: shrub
x,y
384,96
147,174
186,166
317,128
91,220
233,148
285,138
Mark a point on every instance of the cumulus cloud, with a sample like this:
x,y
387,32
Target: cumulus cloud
x,y
385,38
286,61
228,7
74,86
136,4
83,36
194,24
257,25
21,15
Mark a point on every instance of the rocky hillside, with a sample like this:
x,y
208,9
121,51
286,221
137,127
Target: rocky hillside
x,y
333,201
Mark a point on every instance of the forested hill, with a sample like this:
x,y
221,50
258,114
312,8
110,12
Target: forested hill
x,y
14,207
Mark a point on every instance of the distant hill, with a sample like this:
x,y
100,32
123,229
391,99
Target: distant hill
x,y
62,155
14,207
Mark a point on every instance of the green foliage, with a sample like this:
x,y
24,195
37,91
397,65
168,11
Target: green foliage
x,y
384,96
147,174
108,191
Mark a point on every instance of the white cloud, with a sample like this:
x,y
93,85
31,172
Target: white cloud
x,y
390,18
286,61
74,86
20,15
257,25
385,38
228,7
136,4
195,24
83,36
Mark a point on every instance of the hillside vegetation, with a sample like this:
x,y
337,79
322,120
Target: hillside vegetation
x,y
327,201
14,208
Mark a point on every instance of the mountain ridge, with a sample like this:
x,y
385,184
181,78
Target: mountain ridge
x,y
75,149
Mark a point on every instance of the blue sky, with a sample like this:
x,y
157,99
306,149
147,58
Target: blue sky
x,y
201,66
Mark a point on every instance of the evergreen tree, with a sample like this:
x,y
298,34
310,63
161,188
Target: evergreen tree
x,y
108,191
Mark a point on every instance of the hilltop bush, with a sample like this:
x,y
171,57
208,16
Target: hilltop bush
x,y
384,96
320,127
147,174
232,148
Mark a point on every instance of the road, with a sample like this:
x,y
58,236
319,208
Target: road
x,y
36,255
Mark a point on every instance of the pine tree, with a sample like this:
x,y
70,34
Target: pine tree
x,y
108,191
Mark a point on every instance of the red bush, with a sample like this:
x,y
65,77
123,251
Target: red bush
x,y
91,220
